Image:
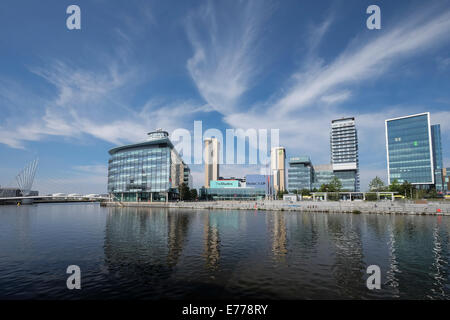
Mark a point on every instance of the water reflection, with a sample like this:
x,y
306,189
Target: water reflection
x,y
276,226
211,242
393,270
439,265
160,253
178,226
348,267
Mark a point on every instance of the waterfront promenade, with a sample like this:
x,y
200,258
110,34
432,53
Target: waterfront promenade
x,y
380,207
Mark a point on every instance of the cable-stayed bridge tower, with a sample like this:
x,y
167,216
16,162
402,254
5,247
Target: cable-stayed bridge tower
x,y
25,178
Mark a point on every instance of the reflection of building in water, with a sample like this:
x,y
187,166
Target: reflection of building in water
x,y
305,234
277,231
178,225
348,268
438,267
139,241
391,274
211,242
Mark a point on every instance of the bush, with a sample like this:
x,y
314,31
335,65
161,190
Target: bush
x,y
371,196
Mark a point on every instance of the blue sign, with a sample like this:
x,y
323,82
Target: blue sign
x,y
258,181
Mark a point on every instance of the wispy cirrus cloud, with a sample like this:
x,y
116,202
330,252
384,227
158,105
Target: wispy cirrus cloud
x,y
90,103
224,61
362,61
313,96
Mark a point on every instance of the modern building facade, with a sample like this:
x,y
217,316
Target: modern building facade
x,y
323,174
446,172
437,158
187,177
232,194
409,150
344,152
211,151
278,164
259,181
300,173
147,171
252,187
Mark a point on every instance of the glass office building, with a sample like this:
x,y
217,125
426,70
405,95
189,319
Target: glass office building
x,y
300,173
323,174
409,150
147,171
446,179
349,179
437,157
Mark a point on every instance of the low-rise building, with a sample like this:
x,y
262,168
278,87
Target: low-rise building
x,y
147,171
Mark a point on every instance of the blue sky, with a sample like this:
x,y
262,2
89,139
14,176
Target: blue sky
x,y
67,97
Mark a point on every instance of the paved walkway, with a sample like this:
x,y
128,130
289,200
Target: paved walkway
x,y
381,207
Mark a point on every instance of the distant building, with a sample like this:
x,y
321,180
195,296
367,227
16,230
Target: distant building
x,y
16,192
344,152
211,160
437,158
300,173
10,192
277,163
252,187
323,174
187,177
147,171
446,173
410,154
260,181
229,193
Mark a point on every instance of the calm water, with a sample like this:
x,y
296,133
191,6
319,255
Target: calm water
x,y
160,253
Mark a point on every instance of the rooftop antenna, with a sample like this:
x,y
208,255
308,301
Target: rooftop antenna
x,y
25,178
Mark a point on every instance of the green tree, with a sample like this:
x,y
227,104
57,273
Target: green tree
x,y
184,192
405,189
433,193
335,184
194,194
280,194
394,186
305,192
376,185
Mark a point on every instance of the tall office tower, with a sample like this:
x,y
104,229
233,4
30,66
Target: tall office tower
x,y
300,173
344,152
277,163
437,157
211,160
409,150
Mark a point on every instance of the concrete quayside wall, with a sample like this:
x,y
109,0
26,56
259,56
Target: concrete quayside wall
x,y
381,207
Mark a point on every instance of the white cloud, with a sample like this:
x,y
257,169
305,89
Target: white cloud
x,y
224,61
366,61
89,104
337,97
304,111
